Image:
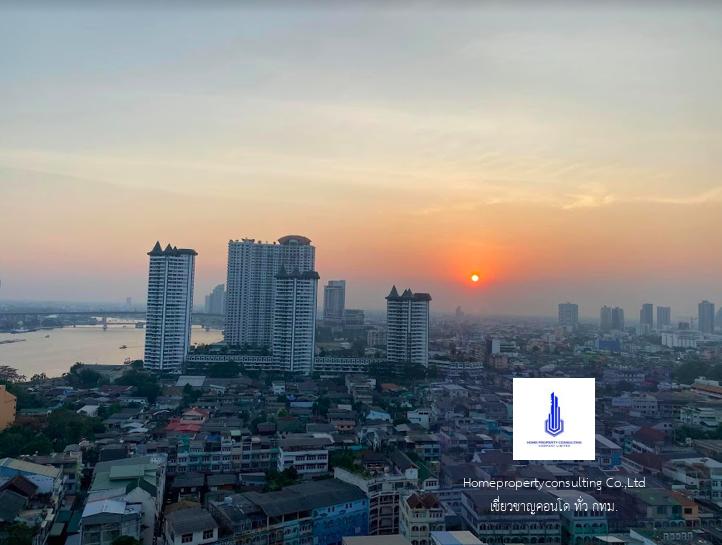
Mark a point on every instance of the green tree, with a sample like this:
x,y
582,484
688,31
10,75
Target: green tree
x,y
144,384
321,406
10,374
690,370
66,427
17,534
190,395
18,440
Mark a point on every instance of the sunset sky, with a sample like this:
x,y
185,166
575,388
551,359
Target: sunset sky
x,y
563,153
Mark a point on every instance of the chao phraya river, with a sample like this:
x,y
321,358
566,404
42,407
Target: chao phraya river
x,y
54,351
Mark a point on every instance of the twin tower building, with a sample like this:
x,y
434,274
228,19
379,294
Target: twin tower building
x,y
270,302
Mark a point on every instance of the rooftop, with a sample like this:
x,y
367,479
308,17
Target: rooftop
x,y
170,251
29,467
407,295
186,521
305,496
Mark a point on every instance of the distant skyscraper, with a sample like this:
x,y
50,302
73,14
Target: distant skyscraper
x,y
334,300
706,317
170,303
664,317
407,323
215,300
618,319
605,318
251,284
568,314
294,320
646,316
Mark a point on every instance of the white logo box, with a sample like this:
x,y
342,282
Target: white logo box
x,y
569,435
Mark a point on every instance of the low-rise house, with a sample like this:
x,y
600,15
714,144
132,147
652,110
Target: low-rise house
x,y
707,418
420,417
608,453
104,521
307,454
701,477
48,479
139,481
69,462
193,526
420,515
319,512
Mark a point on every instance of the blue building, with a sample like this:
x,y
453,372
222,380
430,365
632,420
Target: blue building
x,y
318,512
608,453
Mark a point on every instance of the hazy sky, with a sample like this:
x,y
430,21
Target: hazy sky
x,y
563,152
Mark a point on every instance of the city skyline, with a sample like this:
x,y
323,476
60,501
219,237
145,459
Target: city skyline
x,y
410,150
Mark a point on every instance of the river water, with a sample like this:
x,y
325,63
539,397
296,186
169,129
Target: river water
x,y
54,351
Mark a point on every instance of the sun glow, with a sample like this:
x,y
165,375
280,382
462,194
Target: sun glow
x,y
474,277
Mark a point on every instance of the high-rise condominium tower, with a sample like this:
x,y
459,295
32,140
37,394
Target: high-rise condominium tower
x,y
215,300
605,318
334,300
618,319
706,317
664,317
568,314
646,316
294,320
407,323
170,302
251,285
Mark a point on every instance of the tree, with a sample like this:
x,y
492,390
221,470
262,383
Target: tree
x,y
10,374
190,395
18,440
18,534
25,398
66,427
144,384
321,406
82,377
276,480
345,459
690,370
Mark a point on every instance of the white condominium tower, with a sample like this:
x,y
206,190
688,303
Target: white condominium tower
x,y
170,302
251,285
294,320
407,324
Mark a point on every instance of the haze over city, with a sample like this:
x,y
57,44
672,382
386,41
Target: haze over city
x,y
561,154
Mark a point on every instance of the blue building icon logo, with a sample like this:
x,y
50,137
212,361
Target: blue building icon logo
x,y
554,424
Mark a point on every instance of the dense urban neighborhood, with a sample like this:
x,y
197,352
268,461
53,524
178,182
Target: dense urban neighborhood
x,y
366,450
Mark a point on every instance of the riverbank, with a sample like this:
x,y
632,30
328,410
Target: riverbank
x,y
54,352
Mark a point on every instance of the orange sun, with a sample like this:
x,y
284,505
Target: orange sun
x,y
474,277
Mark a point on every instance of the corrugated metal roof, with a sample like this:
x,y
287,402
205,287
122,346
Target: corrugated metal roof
x,y
305,496
30,467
